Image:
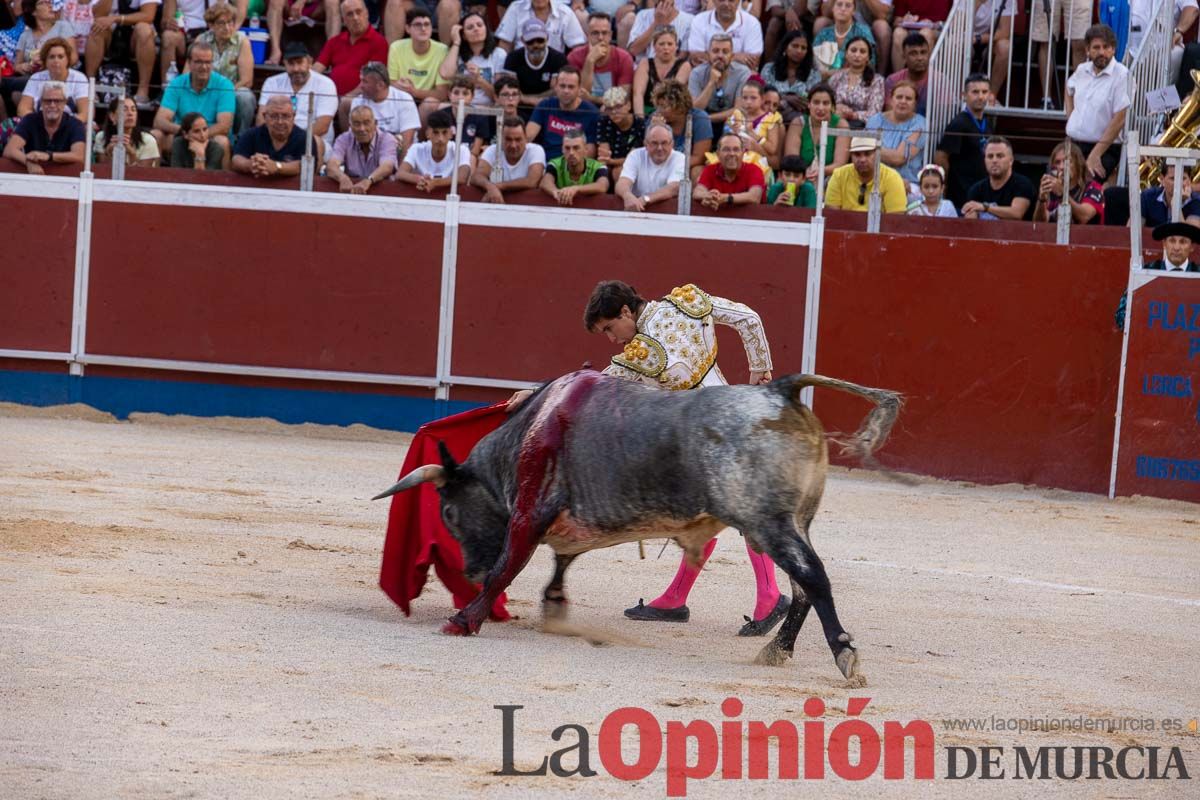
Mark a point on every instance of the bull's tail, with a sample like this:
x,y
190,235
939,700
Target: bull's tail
x,y
873,431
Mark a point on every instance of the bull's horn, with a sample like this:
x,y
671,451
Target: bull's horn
x,y
432,473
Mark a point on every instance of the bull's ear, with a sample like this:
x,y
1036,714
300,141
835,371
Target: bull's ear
x,y
448,462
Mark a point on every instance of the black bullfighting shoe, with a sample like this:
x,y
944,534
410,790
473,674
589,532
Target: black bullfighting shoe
x,y
645,613
762,627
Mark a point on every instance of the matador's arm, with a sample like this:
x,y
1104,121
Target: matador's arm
x,y
748,324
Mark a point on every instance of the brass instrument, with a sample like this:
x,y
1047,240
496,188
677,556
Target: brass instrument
x,y
1181,132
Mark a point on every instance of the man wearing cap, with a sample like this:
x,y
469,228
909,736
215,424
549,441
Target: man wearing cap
x,y
851,185
394,109
535,64
731,181
297,85
1178,238
563,30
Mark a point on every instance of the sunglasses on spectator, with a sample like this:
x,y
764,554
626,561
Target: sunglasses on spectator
x,y
536,41
862,193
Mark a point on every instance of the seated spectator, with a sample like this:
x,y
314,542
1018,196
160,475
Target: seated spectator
x,y
960,152
475,53
761,131
296,85
903,132
859,88
1178,239
393,110
639,32
909,13
535,64
232,59
48,135
192,149
174,38
274,150
716,82
781,17
123,33
804,134
728,19
792,73
932,182
478,129
1067,19
563,30
993,33
1156,201
565,111
601,64
362,156
652,173
618,131
56,58
343,57
200,90
851,186
666,64
916,71
519,165
508,95
673,107
43,22
135,144
431,164
573,173
830,38
1097,101
414,63
731,182
1085,197
1003,194
793,187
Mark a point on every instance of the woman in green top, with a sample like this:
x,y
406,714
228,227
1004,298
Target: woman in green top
x,y
804,132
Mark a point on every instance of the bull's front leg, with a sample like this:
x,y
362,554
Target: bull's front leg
x,y
522,539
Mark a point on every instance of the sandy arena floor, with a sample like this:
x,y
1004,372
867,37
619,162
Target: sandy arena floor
x,y
191,610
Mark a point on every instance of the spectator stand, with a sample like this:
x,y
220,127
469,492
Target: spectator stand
x,y
1151,355
949,66
1149,70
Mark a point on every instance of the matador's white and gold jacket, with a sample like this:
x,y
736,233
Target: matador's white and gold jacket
x,y
676,345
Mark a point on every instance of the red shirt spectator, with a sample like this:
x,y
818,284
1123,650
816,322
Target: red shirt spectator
x,y
748,176
342,58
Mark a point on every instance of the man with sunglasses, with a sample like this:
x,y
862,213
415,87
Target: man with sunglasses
x,y
851,185
49,136
535,64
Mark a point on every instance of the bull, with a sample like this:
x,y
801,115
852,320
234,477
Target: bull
x,y
591,461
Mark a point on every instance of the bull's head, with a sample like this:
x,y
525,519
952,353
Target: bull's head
x,y
476,520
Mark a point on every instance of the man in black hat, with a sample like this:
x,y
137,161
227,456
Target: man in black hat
x,y
1178,238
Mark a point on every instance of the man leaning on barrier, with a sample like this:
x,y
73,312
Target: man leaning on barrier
x,y
274,150
362,156
516,165
652,173
49,135
731,181
851,185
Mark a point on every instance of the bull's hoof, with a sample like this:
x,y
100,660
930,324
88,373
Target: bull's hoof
x,y
772,655
554,610
847,662
456,626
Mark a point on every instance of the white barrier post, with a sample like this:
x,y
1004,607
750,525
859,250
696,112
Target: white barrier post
x,y
308,165
449,268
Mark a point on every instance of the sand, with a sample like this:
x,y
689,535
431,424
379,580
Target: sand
x,y
192,610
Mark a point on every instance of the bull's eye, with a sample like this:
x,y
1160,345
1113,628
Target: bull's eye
x,y
450,516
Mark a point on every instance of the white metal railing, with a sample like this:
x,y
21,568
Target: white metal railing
x,y
1149,69
949,66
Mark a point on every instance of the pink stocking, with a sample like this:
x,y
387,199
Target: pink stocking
x,y
764,579
676,594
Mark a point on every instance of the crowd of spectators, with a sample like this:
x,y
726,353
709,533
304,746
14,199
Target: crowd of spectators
x,y
574,99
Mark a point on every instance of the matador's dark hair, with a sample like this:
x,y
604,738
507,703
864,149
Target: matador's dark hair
x,y
607,299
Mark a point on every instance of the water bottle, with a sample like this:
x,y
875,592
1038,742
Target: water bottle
x,y
255,22
179,19
172,71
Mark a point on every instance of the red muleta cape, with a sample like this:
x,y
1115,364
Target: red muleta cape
x,y
416,538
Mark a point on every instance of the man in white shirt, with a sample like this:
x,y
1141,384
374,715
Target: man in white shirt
x,y
431,164
727,17
519,165
297,84
652,173
395,109
562,25
637,30
1186,12
1097,101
